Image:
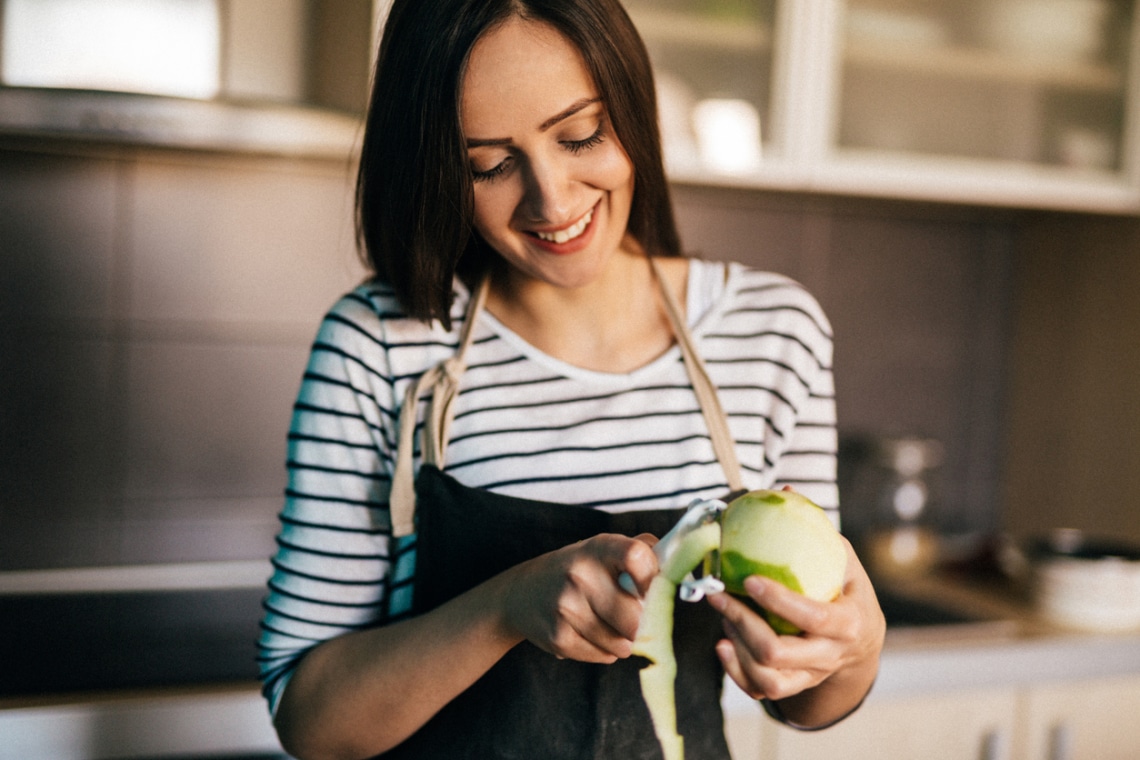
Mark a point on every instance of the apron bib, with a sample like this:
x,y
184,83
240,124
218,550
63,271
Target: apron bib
x,y
532,705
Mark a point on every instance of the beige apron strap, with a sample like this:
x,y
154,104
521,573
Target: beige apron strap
x,y
443,379
715,419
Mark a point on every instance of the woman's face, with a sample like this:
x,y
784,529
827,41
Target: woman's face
x,y
553,186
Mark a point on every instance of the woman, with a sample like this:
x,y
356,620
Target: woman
x,y
522,328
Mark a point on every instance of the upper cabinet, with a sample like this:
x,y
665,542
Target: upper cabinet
x,y
714,62
261,76
1030,103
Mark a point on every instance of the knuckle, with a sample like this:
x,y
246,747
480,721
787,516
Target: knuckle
x,y
565,609
755,692
815,617
772,654
778,692
578,575
760,686
562,638
639,554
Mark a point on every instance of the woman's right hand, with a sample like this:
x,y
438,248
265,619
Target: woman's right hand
x,y
569,603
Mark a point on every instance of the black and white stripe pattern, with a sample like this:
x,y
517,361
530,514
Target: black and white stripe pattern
x,y
529,425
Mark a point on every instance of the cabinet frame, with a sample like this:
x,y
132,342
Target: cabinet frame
x,y
803,153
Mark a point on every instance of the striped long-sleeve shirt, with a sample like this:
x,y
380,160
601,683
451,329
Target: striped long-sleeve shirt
x,y
529,425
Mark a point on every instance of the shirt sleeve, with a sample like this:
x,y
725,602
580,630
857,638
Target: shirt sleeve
x,y
809,460
333,568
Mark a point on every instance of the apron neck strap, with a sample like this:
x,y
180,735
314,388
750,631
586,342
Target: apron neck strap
x,y
443,380
715,419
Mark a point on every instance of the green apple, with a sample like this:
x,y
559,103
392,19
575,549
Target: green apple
x,y
784,536
778,534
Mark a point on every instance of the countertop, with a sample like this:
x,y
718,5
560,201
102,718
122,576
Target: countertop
x,y
1005,645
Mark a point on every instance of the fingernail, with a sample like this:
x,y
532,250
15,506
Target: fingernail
x,y
718,602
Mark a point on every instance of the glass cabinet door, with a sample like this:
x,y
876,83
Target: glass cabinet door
x,y
713,61
1042,82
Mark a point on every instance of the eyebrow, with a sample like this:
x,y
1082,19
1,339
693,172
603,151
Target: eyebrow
x,y
558,117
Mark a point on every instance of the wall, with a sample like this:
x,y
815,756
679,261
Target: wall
x,y
1074,434
158,306
918,299
156,313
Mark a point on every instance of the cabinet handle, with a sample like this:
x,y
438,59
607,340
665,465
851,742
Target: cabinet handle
x,y
1061,742
995,745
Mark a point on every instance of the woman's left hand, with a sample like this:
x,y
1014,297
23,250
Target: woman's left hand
x,y
819,675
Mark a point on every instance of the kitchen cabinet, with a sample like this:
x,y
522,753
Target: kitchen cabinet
x,y
970,725
1082,720
999,102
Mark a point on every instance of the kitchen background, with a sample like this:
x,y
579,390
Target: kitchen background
x,y
160,285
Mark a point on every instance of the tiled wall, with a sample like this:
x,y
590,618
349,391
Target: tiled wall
x,y
1074,432
157,309
918,300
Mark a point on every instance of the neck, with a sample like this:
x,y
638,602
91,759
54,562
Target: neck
x,y
615,323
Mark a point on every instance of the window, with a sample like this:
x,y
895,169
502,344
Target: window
x,y
161,47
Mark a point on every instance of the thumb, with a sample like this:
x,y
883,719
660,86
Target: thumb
x,y
635,563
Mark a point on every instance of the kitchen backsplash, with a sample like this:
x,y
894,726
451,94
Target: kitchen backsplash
x,y
157,308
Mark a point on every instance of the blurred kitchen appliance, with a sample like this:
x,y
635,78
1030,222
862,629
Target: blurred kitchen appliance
x,y
1084,582
893,488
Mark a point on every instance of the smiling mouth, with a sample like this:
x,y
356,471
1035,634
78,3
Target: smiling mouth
x,y
568,234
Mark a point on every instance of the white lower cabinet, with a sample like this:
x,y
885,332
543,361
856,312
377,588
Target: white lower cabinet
x,y
976,725
1072,720
1082,720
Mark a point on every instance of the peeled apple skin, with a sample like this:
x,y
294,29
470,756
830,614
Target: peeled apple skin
x,y
654,639
784,536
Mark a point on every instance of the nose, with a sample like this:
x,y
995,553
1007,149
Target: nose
x,y
549,192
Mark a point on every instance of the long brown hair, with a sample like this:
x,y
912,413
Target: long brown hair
x,y
414,198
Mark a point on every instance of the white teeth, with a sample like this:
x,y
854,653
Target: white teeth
x,y
570,232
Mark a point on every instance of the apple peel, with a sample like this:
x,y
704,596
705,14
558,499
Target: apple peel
x,y
654,639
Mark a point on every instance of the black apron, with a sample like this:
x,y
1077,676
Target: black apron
x,y
532,705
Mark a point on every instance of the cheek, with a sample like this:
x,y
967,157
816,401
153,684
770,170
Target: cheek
x,y
615,171
493,208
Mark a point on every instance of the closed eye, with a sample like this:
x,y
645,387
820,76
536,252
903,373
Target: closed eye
x,y
573,146
490,174
577,146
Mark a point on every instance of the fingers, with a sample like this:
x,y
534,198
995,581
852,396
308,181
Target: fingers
x,y
762,662
837,635
639,562
757,679
584,633
570,603
804,613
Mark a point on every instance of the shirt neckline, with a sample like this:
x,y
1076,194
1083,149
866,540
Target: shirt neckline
x,y
707,283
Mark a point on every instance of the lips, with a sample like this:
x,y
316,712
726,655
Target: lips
x,y
568,239
568,234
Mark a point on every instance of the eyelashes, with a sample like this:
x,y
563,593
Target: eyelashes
x,y
577,146
492,173
574,147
